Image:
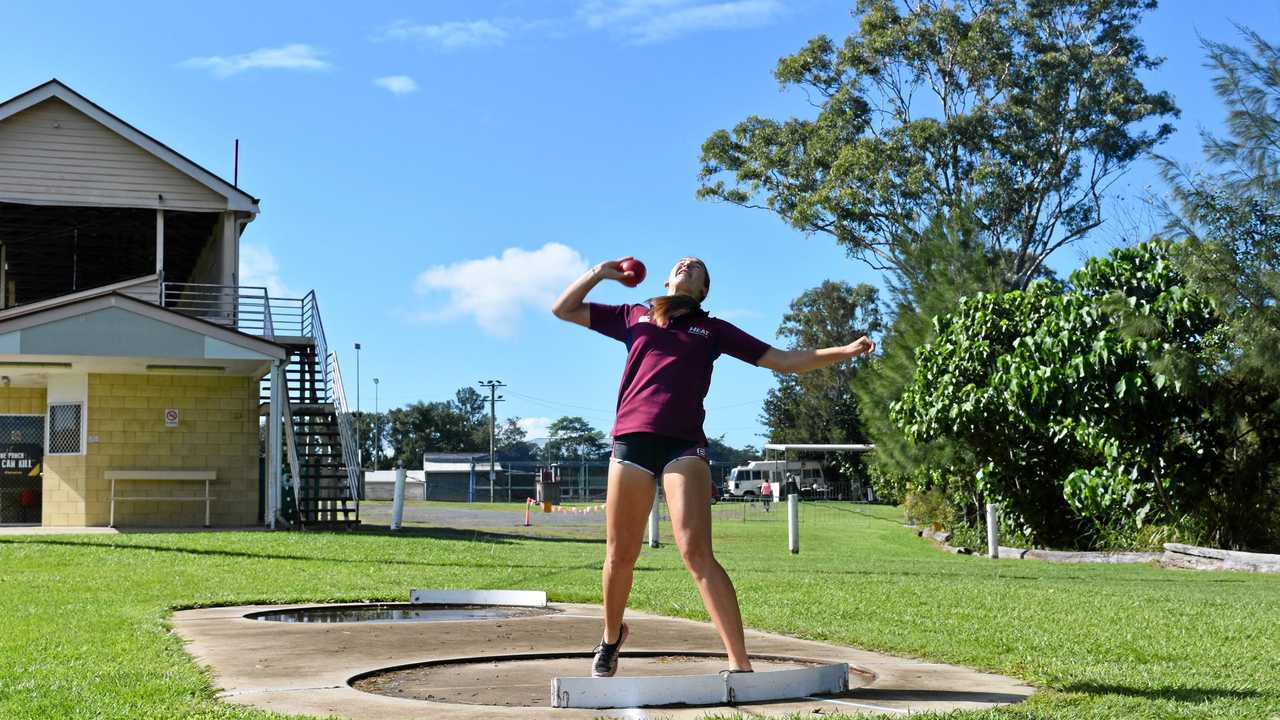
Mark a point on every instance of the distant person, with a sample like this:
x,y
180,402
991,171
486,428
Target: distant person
x,y
766,495
671,346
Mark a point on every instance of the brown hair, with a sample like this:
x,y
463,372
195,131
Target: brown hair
x,y
664,307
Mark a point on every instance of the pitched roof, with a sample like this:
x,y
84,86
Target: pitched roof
x,y
23,317
237,199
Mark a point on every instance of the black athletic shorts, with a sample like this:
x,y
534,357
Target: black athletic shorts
x,y
653,453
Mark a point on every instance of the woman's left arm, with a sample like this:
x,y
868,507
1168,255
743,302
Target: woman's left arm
x,y
800,361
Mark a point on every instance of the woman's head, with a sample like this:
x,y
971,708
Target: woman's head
x,y
687,286
689,277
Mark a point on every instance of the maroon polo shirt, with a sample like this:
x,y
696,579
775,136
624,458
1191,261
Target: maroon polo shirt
x,y
668,369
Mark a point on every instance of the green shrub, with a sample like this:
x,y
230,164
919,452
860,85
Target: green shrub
x,y
1081,404
929,508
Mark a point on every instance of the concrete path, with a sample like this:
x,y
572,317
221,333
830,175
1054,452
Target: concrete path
x,y
309,668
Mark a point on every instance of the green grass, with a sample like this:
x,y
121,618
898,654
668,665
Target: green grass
x,y
84,617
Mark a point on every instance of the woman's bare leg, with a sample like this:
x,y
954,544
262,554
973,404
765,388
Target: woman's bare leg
x,y
630,496
687,483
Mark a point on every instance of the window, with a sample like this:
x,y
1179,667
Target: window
x,y
66,423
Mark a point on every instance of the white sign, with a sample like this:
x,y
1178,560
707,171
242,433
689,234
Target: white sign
x,y
171,416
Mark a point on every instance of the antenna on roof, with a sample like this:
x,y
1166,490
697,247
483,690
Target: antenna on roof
x,y
235,178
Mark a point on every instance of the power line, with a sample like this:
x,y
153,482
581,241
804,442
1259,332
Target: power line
x,y
562,404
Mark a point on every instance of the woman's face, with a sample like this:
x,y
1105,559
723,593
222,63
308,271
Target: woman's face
x,y
688,277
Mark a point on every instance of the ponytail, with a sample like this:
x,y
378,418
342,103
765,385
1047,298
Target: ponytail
x,y
665,306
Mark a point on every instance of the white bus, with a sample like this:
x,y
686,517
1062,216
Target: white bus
x,y
745,480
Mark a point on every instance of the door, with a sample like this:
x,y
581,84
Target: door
x,y
21,464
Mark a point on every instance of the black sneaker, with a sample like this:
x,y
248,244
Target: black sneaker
x,y
606,661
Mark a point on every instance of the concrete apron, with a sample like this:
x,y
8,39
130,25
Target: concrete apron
x,y
306,668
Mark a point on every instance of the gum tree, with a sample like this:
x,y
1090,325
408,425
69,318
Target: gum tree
x,y
1023,109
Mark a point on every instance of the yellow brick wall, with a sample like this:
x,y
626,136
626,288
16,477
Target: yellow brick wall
x,y
22,401
218,430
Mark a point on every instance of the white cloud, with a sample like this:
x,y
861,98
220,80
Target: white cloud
x,y
397,84
447,35
644,22
290,57
497,290
258,268
535,428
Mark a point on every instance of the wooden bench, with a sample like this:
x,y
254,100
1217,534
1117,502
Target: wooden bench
x,y
205,476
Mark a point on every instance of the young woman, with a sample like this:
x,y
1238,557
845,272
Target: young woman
x,y
671,345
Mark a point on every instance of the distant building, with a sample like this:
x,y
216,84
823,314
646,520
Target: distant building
x,y
381,485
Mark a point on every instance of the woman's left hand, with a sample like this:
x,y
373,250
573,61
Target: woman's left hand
x,y
862,346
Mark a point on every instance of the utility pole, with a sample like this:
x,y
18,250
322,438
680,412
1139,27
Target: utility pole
x,y
493,386
377,428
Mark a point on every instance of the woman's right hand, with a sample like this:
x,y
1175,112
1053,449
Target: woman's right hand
x,y
610,270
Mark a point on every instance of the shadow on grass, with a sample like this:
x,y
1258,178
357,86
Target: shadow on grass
x,y
445,533
423,533
955,696
1193,695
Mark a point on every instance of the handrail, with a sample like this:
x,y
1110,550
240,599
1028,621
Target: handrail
x,y
350,453
291,449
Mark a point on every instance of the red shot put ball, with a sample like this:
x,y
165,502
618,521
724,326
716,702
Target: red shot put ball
x,y
632,266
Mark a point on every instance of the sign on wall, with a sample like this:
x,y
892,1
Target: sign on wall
x,y
21,457
171,416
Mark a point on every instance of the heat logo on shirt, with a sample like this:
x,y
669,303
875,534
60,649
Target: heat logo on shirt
x,y
700,331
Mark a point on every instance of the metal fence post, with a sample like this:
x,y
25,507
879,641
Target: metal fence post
x,y
397,499
653,522
993,532
793,523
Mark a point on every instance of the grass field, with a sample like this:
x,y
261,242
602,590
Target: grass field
x,y
84,617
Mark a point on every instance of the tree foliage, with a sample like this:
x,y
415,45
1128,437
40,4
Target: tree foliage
x,y
948,263
573,438
1229,221
1032,107
818,407
1084,407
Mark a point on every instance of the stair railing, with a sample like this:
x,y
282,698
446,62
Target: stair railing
x,y
350,453
331,385
291,450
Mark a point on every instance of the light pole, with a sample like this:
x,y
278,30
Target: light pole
x,y
377,434
359,419
493,386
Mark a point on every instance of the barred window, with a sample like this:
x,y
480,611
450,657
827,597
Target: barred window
x,y
65,423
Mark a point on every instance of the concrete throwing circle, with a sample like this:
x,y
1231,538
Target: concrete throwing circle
x,y
397,612
309,668
526,681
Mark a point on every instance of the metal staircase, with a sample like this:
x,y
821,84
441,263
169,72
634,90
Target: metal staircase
x,y
321,465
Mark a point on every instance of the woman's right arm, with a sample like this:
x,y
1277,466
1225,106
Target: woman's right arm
x,y
570,306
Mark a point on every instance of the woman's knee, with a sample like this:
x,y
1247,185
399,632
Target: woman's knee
x,y
619,557
698,558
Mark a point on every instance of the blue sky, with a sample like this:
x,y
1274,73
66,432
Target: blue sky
x,y
438,171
